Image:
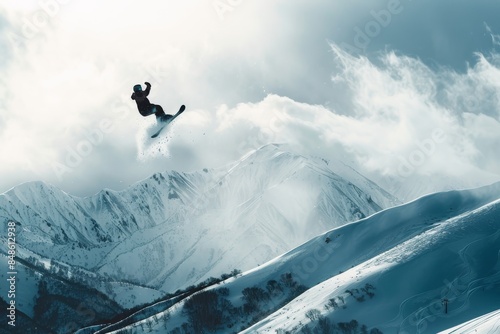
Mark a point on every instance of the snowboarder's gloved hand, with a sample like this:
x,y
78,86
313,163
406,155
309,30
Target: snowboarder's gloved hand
x,y
147,83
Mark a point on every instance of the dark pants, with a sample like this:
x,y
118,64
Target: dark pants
x,y
152,109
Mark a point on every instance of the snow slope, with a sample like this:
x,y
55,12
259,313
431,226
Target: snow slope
x,y
391,271
177,229
486,324
444,246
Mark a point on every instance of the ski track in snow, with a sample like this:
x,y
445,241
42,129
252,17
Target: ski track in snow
x,y
487,324
428,240
405,252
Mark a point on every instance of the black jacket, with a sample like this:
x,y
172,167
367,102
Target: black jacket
x,y
142,101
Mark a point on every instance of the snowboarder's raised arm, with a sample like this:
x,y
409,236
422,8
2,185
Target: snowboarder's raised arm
x,y
148,88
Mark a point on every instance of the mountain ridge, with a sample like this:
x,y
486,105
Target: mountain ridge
x,y
390,272
173,229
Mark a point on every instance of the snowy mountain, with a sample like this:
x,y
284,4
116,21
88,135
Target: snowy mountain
x,y
488,323
173,230
423,267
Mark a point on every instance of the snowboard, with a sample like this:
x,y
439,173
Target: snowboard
x,y
163,124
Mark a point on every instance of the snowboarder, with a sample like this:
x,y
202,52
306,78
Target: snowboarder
x,y
145,107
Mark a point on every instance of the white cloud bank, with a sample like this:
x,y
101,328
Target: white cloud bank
x,y
404,121
66,116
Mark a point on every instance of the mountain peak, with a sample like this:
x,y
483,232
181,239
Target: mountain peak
x,y
259,207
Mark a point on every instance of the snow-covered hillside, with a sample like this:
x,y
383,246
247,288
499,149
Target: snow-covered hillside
x,y
177,229
488,324
422,267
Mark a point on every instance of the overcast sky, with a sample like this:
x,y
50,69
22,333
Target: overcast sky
x,y
378,80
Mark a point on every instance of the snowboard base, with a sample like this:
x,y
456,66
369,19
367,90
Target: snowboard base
x,y
164,124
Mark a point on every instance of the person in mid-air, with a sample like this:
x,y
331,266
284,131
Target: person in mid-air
x,y
145,107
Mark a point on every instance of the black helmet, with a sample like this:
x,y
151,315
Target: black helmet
x,y
137,88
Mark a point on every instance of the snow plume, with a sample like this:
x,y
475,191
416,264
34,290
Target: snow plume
x,y
495,39
396,118
433,119
201,138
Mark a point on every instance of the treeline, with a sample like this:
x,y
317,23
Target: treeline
x,y
319,324
211,310
168,300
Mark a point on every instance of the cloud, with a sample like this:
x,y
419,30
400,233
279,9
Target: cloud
x,y
405,119
495,39
66,116
69,69
67,74
402,106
